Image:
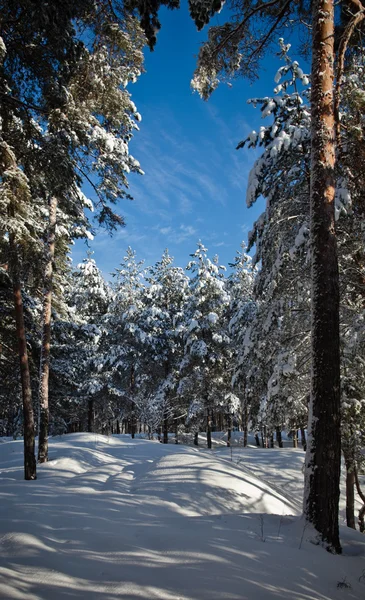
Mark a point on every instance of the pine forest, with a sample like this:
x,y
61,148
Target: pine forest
x,y
190,428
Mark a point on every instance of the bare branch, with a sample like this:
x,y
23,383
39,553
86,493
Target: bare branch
x,y
244,21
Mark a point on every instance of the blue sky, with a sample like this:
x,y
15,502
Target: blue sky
x,y
195,180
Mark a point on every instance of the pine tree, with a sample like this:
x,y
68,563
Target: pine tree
x,y
121,346
161,321
242,312
75,107
205,367
236,47
276,353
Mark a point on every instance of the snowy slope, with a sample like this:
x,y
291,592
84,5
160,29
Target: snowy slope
x,y
114,518
282,469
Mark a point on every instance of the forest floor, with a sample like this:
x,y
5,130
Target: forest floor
x,y
115,518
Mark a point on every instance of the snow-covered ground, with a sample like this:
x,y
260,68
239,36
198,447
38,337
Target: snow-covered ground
x,y
117,518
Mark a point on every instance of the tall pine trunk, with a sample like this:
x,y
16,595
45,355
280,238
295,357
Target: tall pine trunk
x,y
323,455
46,337
30,467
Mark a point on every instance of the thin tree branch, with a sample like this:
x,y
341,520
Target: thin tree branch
x,y
22,103
356,19
241,25
271,30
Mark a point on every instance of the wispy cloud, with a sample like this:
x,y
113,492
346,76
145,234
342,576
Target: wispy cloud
x,y
178,235
165,230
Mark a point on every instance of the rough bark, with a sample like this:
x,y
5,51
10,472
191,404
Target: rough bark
x,y
324,446
30,467
46,338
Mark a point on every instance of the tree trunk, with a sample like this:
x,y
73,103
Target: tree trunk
x,y
245,425
229,436
350,493
132,388
90,416
323,455
303,438
176,432
30,467
272,445
165,428
264,437
196,438
46,337
295,438
245,437
278,437
209,431
362,519
229,432
257,440
362,496
118,427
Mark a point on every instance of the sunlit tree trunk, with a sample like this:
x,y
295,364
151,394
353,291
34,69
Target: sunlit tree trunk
x,y
30,467
323,455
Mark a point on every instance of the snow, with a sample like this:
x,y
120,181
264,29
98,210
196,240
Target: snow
x,y
115,518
